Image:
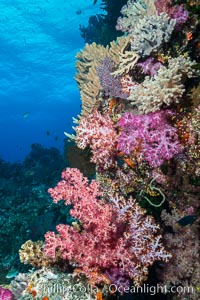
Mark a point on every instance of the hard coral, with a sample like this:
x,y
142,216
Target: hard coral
x,y
151,135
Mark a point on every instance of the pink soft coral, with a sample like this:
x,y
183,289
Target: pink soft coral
x,y
152,134
5,294
108,236
97,132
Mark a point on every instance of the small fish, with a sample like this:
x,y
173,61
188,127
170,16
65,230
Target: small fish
x,y
187,220
95,1
99,296
189,36
12,273
47,132
112,104
79,11
129,162
26,115
56,138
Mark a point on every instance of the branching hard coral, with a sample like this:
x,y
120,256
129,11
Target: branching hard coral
x,y
150,33
117,47
150,135
98,132
166,87
132,12
31,253
114,234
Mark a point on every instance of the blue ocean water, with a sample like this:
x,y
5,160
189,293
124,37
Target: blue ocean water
x,y
38,95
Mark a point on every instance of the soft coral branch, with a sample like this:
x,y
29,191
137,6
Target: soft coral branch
x,y
113,235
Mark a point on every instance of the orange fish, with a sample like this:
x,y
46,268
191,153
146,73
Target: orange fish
x,y
99,296
129,162
112,104
33,293
189,36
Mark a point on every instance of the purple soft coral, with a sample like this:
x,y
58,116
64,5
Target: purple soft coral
x,y
174,12
109,83
150,66
152,134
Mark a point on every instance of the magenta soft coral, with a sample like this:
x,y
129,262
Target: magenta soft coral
x,y
5,294
109,237
98,132
152,133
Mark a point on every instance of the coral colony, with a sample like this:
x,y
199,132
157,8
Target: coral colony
x,y
140,119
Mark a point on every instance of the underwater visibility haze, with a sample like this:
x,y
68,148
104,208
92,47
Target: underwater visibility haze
x,y
38,95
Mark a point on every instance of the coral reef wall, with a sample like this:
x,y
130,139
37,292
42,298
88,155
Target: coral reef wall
x,y
136,223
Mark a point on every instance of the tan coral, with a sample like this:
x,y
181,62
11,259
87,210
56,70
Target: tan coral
x,y
117,47
166,88
87,62
31,253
